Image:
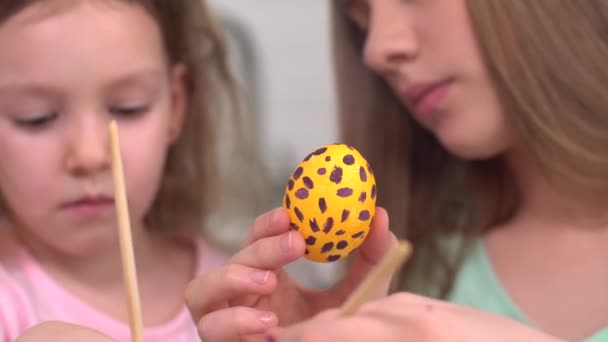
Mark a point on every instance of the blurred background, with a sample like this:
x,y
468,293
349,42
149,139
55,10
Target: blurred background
x,y
280,52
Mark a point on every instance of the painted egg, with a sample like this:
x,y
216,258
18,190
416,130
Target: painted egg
x,y
331,199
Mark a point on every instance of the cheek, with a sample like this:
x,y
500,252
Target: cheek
x,y
493,125
480,132
144,155
27,177
143,174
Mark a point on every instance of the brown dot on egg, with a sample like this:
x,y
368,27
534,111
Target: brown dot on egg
x,y
374,191
340,232
327,247
329,224
294,226
299,214
362,174
345,214
342,244
328,158
348,159
320,151
364,215
314,226
363,197
290,184
344,192
308,182
287,201
302,193
359,234
336,175
322,205
311,240
297,173
332,258
321,171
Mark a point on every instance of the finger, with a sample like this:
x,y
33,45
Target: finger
x,y
272,252
386,319
205,293
272,223
379,241
232,323
357,328
401,305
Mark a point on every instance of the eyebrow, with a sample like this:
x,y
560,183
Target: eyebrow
x,y
27,88
148,75
144,75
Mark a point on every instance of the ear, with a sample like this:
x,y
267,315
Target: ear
x,y
179,99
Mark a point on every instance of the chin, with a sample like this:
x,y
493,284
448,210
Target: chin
x,y
472,154
87,244
473,147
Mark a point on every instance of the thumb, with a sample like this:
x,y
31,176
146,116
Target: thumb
x,y
379,241
315,329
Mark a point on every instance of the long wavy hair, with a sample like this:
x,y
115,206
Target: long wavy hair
x,y
547,60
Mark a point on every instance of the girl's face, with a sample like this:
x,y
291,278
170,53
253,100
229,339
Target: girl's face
x,y
64,74
427,52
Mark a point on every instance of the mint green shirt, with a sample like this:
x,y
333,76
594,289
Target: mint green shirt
x,y
476,285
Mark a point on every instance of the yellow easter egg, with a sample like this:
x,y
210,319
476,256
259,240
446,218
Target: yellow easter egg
x,y
331,199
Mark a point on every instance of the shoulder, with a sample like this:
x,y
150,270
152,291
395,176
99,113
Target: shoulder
x,y
63,332
477,285
16,313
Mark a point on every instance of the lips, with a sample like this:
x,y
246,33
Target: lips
x,y
426,98
89,207
90,201
416,93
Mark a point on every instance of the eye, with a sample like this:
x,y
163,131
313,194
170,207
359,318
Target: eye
x,y
358,12
36,122
129,111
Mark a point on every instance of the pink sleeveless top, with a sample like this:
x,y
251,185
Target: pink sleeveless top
x,y
29,296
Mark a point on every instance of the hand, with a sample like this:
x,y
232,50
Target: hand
x,y
252,293
407,317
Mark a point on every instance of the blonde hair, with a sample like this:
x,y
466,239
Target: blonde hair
x,y
190,176
547,61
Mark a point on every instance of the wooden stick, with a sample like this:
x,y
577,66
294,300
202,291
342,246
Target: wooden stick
x,y
126,241
385,269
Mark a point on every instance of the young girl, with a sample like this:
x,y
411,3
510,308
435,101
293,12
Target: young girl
x,y
485,122
66,69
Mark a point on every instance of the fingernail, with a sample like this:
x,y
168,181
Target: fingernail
x,y
266,318
260,277
286,242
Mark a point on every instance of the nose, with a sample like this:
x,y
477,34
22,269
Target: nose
x,y
391,39
88,149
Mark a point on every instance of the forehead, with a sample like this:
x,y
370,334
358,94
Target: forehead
x,y
79,38
40,9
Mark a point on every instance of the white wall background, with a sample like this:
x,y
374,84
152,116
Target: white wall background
x,y
295,100
296,87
